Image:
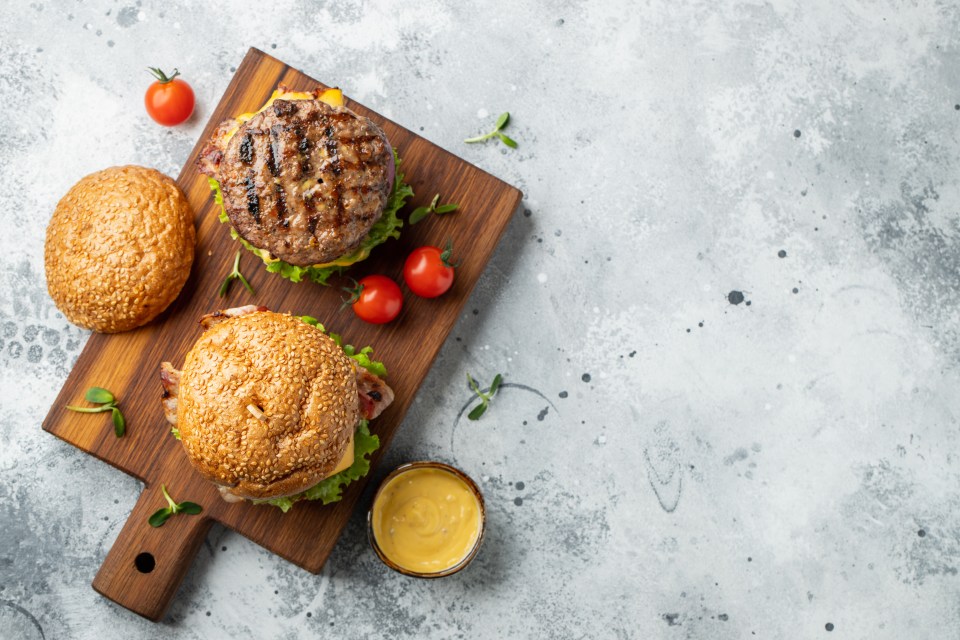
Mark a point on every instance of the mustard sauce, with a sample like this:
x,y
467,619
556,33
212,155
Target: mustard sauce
x,y
426,520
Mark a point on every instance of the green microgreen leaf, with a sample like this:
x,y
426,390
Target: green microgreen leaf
x,y
159,517
99,395
484,397
501,123
190,508
246,283
505,139
420,213
175,432
107,402
477,411
235,275
495,385
119,423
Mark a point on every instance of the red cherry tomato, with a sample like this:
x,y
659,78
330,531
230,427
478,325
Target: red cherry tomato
x,y
169,100
377,299
428,271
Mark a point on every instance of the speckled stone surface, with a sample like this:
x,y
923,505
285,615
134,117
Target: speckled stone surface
x,y
729,314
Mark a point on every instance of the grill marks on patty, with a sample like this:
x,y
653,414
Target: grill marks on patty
x,y
311,180
253,199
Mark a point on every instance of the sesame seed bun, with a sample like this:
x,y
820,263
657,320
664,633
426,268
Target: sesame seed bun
x,y
267,405
119,248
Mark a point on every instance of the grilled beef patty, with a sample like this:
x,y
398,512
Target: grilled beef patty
x,y
302,179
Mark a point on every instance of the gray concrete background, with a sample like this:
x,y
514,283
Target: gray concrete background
x,y
687,467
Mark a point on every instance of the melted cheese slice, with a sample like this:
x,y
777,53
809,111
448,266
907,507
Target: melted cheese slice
x,y
346,461
333,97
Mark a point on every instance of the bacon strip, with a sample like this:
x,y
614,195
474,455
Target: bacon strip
x,y
170,381
208,162
375,395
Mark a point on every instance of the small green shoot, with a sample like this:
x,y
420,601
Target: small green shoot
x,y
485,398
235,275
504,138
107,402
420,213
162,515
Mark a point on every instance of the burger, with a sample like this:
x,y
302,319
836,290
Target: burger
x,y
306,184
272,409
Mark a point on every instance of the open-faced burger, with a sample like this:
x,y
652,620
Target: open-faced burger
x,y
306,184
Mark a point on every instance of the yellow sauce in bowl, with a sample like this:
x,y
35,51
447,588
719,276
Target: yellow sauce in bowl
x,y
426,520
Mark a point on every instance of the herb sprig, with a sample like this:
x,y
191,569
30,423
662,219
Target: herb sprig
x,y
235,275
485,398
107,402
162,515
504,138
420,213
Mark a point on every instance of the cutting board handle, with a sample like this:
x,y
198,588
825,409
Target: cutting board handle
x,y
146,564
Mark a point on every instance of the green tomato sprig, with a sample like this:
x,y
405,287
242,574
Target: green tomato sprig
x,y
107,402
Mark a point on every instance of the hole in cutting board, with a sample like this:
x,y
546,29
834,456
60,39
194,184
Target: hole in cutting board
x,y
144,562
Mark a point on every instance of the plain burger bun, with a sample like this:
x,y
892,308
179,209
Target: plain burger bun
x,y
119,248
267,405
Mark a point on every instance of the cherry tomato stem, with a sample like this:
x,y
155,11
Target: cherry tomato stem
x,y
161,76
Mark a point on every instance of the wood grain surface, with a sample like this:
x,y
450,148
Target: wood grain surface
x,y
128,363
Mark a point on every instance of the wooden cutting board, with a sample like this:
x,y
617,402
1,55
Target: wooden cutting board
x,y
128,363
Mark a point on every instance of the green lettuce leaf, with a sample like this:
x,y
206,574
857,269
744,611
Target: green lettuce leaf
x,y
388,226
331,489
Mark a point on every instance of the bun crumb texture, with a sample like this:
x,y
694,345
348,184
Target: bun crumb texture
x,y
119,248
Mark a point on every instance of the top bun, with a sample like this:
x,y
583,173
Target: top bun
x,y
267,405
119,248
